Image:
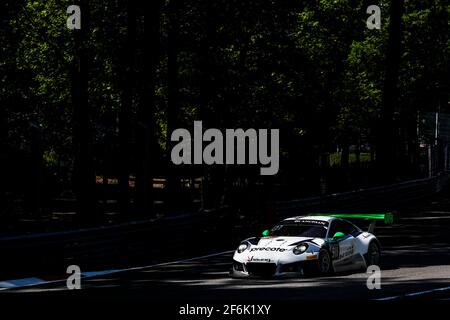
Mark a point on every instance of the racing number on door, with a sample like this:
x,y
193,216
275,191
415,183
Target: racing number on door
x,y
334,247
344,247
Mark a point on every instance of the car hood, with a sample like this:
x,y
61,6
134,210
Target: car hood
x,y
284,242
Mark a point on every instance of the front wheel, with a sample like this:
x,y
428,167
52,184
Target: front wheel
x,y
373,255
324,262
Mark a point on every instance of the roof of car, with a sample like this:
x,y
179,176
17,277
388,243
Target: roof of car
x,y
317,218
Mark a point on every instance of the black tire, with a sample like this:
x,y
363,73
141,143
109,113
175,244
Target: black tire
x,y
373,255
324,262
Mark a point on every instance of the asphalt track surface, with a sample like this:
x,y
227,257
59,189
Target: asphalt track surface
x,y
415,265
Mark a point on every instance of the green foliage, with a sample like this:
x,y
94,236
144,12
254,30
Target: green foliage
x,y
310,68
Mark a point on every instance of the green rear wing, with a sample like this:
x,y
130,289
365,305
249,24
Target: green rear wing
x,y
387,218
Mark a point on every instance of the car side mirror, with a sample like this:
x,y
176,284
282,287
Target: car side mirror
x,y
338,235
265,233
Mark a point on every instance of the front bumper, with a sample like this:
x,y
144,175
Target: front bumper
x,y
269,270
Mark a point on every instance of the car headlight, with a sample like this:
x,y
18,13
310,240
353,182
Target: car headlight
x,y
242,247
301,248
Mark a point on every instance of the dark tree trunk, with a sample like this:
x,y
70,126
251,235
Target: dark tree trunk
x,y
207,90
345,155
145,142
387,136
37,171
172,183
358,150
4,155
413,152
127,78
83,175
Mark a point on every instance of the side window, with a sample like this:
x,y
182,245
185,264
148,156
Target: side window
x,y
333,228
341,226
347,228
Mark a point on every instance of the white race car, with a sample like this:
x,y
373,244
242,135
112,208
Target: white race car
x,y
317,243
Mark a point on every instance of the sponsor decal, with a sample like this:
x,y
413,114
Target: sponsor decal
x,y
347,252
317,222
253,259
268,249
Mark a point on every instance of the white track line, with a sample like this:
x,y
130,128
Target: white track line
x,y
414,294
179,261
8,284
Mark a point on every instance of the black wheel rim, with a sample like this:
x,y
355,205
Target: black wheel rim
x,y
325,262
374,254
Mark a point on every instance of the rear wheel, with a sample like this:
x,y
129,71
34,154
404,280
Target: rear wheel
x,y
373,256
324,262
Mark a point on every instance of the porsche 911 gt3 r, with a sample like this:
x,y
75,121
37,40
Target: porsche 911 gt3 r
x,y
317,243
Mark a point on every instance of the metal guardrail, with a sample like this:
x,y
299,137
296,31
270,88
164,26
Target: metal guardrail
x,y
117,245
162,239
384,198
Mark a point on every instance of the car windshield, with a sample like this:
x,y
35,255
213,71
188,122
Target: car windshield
x,y
300,229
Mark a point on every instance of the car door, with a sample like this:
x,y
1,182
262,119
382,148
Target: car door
x,y
343,249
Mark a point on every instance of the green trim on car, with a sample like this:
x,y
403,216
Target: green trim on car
x,y
387,217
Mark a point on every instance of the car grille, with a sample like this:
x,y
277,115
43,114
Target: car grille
x,y
291,267
261,269
238,266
